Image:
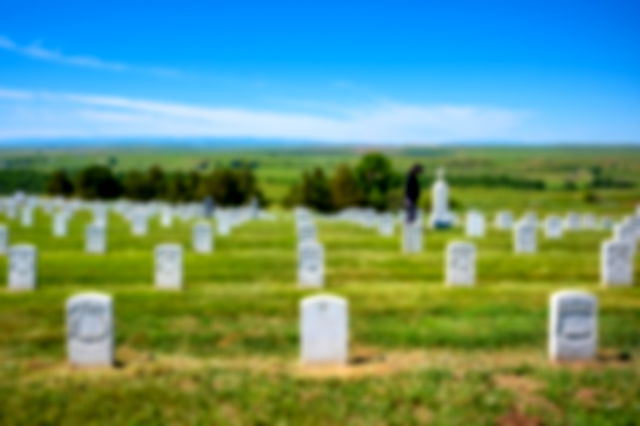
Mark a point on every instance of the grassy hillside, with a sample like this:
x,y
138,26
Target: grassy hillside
x,y
224,351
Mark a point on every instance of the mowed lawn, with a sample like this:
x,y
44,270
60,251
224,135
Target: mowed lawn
x,y
225,350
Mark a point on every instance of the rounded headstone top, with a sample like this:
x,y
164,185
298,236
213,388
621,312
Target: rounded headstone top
x,y
169,246
323,298
90,296
613,241
456,244
23,246
572,294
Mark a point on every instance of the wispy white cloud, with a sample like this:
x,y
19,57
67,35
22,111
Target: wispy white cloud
x,y
35,50
31,114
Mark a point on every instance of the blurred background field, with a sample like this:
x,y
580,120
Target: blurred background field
x,y
566,173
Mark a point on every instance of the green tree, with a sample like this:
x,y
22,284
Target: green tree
x,y
345,191
229,186
177,188
376,178
97,182
157,182
59,183
137,186
224,186
315,191
194,186
293,198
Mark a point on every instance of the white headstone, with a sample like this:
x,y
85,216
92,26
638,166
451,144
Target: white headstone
x,y
324,330
306,231
573,326
223,223
202,238
606,223
168,266
440,214
504,220
572,221
624,231
386,225
460,264
4,239
589,221
310,264
139,224
475,224
95,239
166,218
553,227
100,216
60,221
525,237
90,330
531,218
412,235
26,216
616,263
23,260
12,209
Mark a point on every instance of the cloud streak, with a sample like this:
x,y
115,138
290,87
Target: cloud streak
x,y
33,114
36,51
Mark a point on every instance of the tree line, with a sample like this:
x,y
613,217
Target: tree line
x,y
371,182
227,186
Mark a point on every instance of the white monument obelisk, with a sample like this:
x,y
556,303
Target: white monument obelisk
x,y
440,215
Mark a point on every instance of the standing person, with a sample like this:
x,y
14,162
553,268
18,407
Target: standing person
x,y
412,192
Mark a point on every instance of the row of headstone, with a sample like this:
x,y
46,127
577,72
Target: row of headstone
x,y
202,238
324,329
460,263
383,222
137,214
22,268
573,328
616,256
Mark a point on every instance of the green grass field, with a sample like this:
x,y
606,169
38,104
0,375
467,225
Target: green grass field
x,y
225,350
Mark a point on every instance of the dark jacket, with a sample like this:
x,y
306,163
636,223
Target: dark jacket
x,y
412,188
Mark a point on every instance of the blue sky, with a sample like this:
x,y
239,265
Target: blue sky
x,y
363,72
